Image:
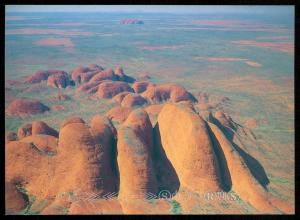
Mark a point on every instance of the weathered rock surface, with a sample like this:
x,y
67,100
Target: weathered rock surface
x,y
59,80
133,100
10,136
24,130
109,89
140,86
135,145
119,114
189,148
23,107
40,127
165,92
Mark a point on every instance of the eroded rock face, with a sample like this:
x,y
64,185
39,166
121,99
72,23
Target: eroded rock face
x,y
58,80
24,130
83,74
24,107
46,144
131,21
118,114
40,127
108,89
71,120
165,92
122,76
140,86
104,135
19,156
38,76
107,74
135,143
153,111
119,98
10,136
81,161
89,88
241,178
15,201
133,100
81,154
43,75
189,148
225,120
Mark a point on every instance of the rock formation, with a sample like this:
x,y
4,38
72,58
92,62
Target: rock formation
x,y
135,144
15,200
40,127
58,80
38,76
107,74
243,183
133,100
10,136
225,120
108,89
119,98
24,130
122,76
131,21
140,86
118,114
167,91
46,144
189,148
24,107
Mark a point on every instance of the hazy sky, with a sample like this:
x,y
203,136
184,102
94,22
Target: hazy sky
x,y
148,8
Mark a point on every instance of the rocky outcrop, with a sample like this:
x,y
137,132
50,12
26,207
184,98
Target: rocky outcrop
x,y
131,21
118,114
24,130
89,88
243,183
59,80
23,107
122,76
15,200
107,74
109,89
165,92
225,120
45,74
133,100
119,98
40,127
140,86
38,76
71,120
10,136
104,136
45,144
135,144
83,74
189,148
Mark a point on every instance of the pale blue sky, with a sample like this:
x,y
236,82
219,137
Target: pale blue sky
x,y
148,8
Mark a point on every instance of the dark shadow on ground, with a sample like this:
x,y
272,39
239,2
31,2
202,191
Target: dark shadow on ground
x,y
254,166
166,175
115,167
222,162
